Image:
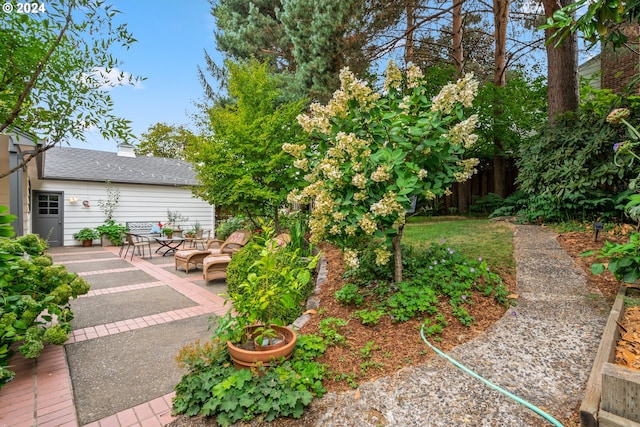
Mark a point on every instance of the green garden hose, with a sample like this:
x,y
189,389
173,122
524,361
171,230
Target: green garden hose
x,y
487,382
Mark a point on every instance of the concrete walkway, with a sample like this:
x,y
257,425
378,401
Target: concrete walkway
x,y
541,350
118,367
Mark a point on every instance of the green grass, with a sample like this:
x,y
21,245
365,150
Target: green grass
x,y
475,238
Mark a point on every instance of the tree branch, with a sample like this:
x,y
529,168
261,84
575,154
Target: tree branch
x,y
32,81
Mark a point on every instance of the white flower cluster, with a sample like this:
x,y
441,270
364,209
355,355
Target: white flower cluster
x,y
381,174
422,173
405,104
350,258
382,256
368,224
462,133
469,166
301,164
350,88
393,77
330,169
318,226
463,91
324,203
360,196
296,150
359,180
414,76
348,143
388,205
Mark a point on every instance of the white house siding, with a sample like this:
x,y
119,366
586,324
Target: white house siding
x,y
136,203
591,70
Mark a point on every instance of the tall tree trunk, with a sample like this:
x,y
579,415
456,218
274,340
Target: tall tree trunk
x,y
501,20
464,191
562,65
397,255
461,190
408,44
457,52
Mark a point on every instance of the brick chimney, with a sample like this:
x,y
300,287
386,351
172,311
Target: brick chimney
x,y
619,67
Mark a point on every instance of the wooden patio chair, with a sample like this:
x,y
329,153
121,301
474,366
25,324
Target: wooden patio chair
x,y
194,257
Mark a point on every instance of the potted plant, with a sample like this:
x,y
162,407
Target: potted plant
x,y
193,233
112,232
256,335
167,231
86,236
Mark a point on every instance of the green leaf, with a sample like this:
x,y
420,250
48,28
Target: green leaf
x,y
597,268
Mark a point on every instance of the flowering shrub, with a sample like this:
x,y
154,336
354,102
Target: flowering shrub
x,y
372,153
34,299
623,260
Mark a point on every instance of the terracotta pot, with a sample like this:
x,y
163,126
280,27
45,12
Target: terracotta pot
x,y
244,358
271,343
87,243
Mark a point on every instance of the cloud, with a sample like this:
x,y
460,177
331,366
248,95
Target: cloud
x,y
108,79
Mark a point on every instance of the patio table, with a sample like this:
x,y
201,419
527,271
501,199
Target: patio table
x,y
171,244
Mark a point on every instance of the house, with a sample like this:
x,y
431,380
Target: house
x,y
615,69
72,183
590,71
15,187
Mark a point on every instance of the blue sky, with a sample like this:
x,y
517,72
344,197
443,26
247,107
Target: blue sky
x,y
172,37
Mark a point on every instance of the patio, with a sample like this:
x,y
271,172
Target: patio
x,y
126,333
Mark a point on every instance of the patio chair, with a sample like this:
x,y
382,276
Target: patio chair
x,y
201,239
215,266
187,257
136,241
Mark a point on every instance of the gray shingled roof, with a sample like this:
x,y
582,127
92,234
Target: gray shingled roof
x,y
79,164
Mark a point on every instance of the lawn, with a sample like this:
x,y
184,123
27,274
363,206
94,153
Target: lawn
x,y
475,238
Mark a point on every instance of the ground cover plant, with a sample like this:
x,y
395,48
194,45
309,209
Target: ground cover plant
x,y
372,324
34,299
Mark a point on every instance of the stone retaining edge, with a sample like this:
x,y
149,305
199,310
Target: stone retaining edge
x,y
314,300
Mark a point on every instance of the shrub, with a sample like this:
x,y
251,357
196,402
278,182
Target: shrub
x,y
239,266
34,293
229,225
348,294
33,244
568,171
284,270
487,204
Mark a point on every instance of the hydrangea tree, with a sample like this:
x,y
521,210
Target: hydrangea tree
x,y
373,152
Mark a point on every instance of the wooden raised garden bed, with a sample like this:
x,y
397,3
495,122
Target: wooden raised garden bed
x,y
612,396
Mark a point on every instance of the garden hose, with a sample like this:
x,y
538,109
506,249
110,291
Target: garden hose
x,y
490,384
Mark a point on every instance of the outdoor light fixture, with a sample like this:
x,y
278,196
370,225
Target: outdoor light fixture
x,y
73,199
597,226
